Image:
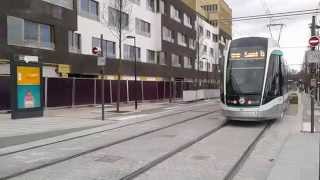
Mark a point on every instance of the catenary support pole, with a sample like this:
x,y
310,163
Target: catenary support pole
x,y
312,114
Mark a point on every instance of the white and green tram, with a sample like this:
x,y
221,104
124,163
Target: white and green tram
x,y
255,80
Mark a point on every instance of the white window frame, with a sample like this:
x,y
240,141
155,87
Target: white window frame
x,y
175,60
187,62
187,20
167,34
182,40
174,14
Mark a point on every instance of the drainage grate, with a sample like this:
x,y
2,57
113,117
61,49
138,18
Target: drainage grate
x,y
168,136
109,159
200,157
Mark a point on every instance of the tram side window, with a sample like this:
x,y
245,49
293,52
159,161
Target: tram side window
x,y
272,87
283,77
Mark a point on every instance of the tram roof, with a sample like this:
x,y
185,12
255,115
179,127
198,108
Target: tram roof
x,y
271,43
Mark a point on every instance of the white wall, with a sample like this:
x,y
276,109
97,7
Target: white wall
x,y
205,57
89,28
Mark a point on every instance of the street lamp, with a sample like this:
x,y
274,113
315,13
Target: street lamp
x,y
135,71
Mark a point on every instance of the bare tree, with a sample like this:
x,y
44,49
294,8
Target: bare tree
x,y
116,17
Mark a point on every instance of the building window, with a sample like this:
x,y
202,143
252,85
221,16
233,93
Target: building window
x,y
167,35
89,9
29,34
204,49
187,62
74,42
175,14
143,27
162,7
191,44
114,17
200,30
182,41
151,56
151,5
212,8
208,67
214,23
108,47
201,65
162,60
129,53
187,21
208,34
175,60
211,52
137,2
214,37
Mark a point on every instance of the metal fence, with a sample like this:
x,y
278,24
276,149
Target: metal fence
x,y
59,92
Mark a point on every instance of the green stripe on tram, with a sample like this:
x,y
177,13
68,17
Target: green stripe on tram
x,y
277,52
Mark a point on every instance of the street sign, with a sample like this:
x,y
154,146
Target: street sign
x,y
28,59
313,56
101,61
314,41
96,50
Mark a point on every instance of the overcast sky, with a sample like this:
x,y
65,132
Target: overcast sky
x,y
295,34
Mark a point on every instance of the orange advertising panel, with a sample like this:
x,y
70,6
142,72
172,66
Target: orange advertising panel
x,y
28,75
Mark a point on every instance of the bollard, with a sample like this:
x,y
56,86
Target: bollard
x,y
312,114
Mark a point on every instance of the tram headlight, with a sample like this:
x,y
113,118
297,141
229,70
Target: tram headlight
x,y
242,101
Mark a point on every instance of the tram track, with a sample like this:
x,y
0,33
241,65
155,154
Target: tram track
x,y
246,154
166,156
228,175
104,146
106,130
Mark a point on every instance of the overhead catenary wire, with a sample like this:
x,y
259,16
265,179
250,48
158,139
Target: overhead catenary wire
x,y
273,15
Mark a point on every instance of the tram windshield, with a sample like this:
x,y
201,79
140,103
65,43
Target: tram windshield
x,y
245,70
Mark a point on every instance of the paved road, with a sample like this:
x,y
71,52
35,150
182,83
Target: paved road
x,y
187,142
115,133
63,121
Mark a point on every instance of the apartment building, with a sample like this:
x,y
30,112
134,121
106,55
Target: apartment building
x,y
37,28
62,33
141,20
208,55
217,12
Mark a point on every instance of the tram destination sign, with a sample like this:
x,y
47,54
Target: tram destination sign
x,y
247,54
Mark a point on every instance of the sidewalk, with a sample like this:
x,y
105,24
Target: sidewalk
x,y
299,156
63,121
